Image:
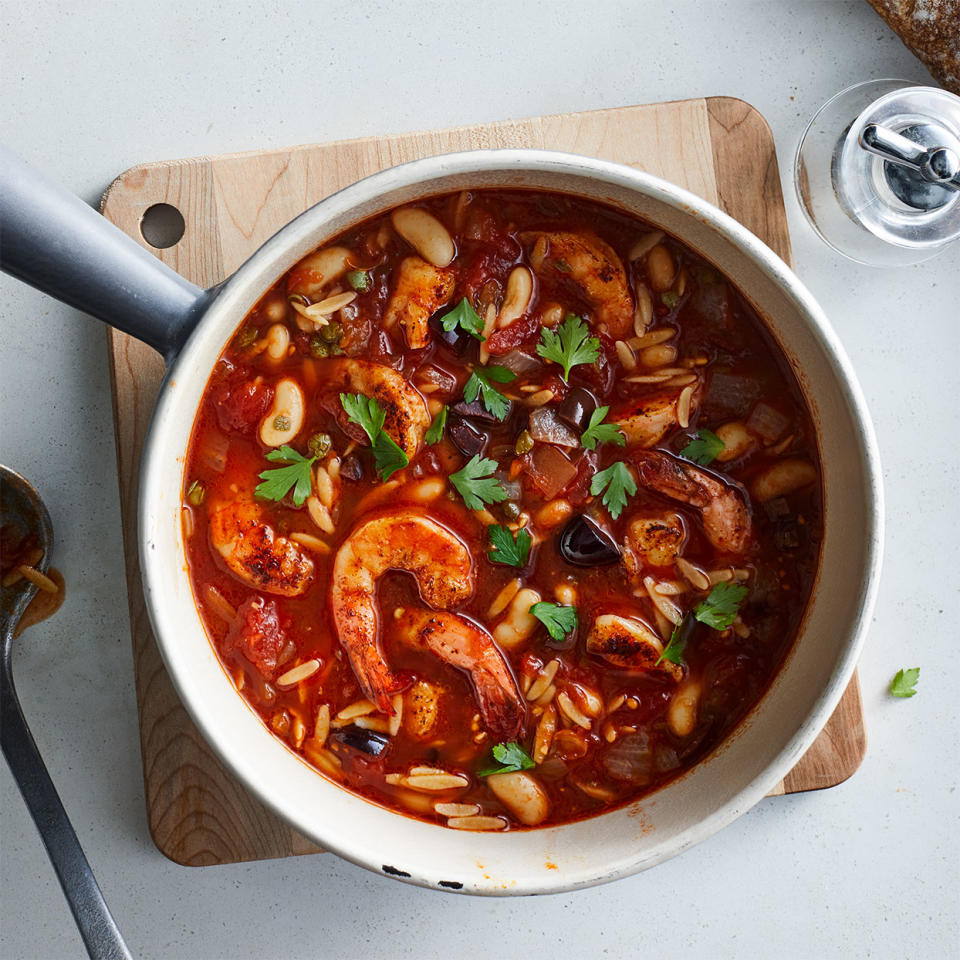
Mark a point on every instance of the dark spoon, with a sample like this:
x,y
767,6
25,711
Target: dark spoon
x,y
22,509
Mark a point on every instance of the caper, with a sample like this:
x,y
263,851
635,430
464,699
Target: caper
x,y
332,332
281,423
359,280
511,510
246,337
319,445
524,443
319,347
196,493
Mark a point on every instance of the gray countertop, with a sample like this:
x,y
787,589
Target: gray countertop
x,y
869,868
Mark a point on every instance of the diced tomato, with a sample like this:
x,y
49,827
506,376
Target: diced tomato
x,y
524,330
259,634
492,261
240,400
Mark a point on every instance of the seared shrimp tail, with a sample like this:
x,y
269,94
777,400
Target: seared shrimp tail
x,y
468,647
407,541
723,506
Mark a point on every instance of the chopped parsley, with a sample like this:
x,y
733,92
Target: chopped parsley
x,y
507,548
296,475
599,432
481,383
679,636
466,318
365,411
570,345
721,607
476,483
616,484
560,621
704,449
904,682
435,430
511,757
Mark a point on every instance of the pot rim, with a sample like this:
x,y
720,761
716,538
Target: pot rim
x,y
227,311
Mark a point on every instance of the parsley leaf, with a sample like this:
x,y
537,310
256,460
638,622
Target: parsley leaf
x,y
679,636
388,458
560,621
599,432
903,683
618,484
476,484
435,430
508,548
276,483
464,316
704,449
481,383
720,608
365,411
571,346
511,757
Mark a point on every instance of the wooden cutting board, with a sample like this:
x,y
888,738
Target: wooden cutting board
x,y
719,148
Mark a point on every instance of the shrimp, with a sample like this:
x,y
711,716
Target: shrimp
x,y
593,266
468,647
652,541
630,645
647,420
254,553
723,507
407,418
403,540
421,289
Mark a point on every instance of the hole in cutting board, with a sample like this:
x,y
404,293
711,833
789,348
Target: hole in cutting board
x,y
162,225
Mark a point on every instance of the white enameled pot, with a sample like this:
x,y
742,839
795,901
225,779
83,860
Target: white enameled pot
x,y
192,327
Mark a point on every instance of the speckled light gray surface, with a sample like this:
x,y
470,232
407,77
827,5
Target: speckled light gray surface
x,y
866,869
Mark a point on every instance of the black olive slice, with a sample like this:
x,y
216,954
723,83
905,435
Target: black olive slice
x,y
456,340
576,408
366,741
586,544
467,438
475,410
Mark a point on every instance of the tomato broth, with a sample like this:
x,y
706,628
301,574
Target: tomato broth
x,y
502,509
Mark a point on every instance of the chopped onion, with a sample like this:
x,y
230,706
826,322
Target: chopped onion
x,y
519,362
630,759
214,452
550,470
767,421
547,427
446,381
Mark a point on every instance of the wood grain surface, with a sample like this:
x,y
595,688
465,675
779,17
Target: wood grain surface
x,y
719,148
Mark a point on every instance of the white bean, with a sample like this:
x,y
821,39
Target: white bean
x,y
314,272
783,477
517,297
285,418
426,491
682,714
660,268
425,233
278,340
522,794
519,623
737,440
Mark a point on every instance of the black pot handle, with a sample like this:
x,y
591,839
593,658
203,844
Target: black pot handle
x,y
54,241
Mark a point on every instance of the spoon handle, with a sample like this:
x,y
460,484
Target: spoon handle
x,y
97,926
